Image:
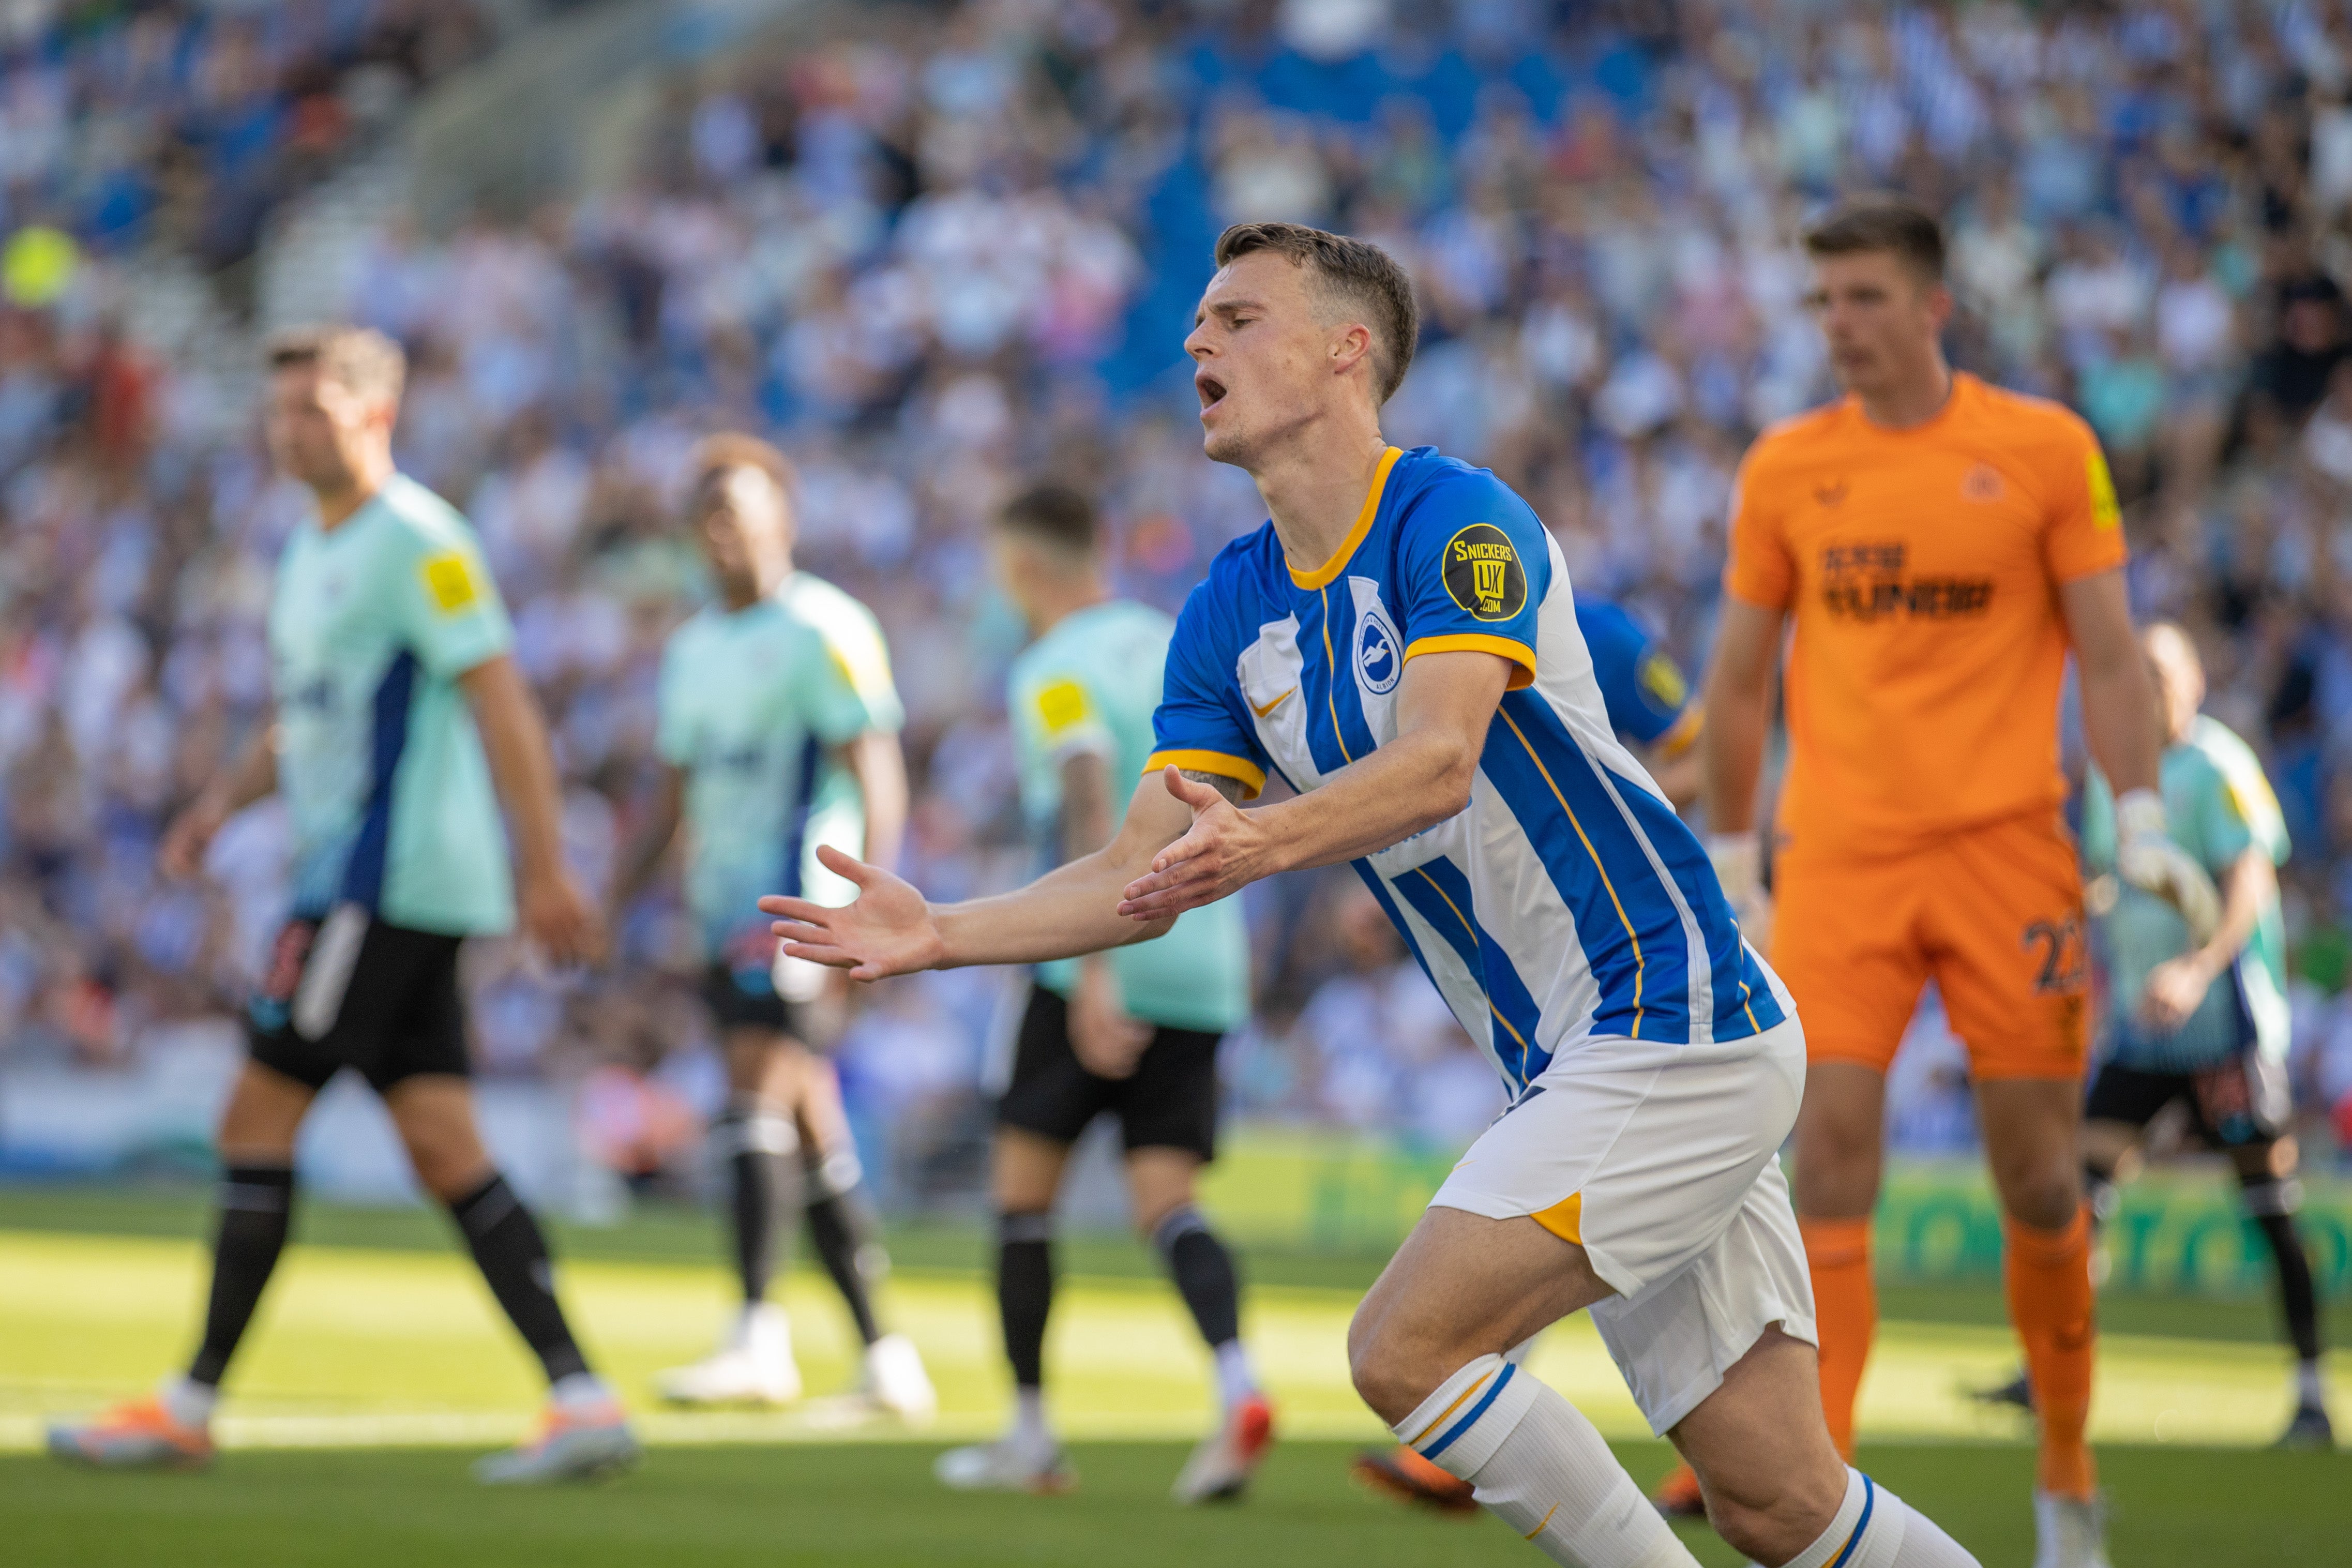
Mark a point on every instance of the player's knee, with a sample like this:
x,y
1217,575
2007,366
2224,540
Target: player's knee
x,y
2043,1191
1393,1370
449,1161
1768,1514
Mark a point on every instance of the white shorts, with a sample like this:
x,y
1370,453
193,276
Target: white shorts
x,y
1662,1162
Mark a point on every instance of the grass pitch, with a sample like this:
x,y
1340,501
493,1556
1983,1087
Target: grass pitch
x,y
379,1365
877,1507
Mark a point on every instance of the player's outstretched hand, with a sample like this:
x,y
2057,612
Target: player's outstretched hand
x,y
2175,988
182,853
1226,850
1109,1041
887,930
558,918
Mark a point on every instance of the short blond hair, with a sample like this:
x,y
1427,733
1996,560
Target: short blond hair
x,y
715,454
358,359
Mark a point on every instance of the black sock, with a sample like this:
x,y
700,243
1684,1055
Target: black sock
x,y
846,1235
256,1205
1025,1291
2272,1204
512,1256
763,1179
1204,1272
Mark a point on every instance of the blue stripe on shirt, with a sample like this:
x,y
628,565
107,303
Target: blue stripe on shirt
x,y
364,871
1744,1004
1516,1016
1627,924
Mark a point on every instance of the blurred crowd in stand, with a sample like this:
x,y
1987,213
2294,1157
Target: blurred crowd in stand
x,y
181,122
938,250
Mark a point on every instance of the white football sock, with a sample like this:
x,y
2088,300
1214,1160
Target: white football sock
x,y
1029,1427
1541,1467
2310,1386
580,1391
186,1401
1875,1529
1236,1379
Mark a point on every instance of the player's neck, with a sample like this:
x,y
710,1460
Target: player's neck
x,y
742,594
1912,401
1052,602
338,506
1315,488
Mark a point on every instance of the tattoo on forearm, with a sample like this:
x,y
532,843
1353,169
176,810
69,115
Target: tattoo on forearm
x,y
1228,787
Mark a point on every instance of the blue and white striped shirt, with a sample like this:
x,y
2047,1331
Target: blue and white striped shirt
x,y
1567,900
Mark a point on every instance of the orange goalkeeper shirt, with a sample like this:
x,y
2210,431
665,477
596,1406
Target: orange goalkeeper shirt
x,y
1921,567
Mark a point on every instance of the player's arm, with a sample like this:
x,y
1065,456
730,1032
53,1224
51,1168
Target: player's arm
x,y
1736,717
1107,1040
2121,721
1072,910
252,776
2119,707
1737,702
876,760
1446,702
650,845
1677,763
554,912
2177,987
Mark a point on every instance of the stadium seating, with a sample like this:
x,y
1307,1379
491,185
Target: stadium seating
x,y
940,259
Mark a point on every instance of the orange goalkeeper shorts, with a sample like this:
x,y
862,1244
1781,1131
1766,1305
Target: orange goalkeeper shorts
x,y
1993,914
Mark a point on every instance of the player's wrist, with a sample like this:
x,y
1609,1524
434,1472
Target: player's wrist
x,y
2139,814
1738,859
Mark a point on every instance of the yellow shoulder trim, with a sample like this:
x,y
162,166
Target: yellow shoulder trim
x,y
1517,652
1252,777
1329,571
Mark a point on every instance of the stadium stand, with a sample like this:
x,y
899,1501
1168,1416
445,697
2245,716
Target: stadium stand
x,y
940,259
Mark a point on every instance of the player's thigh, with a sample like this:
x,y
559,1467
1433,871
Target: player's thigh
x,y
1759,1442
1638,1152
817,1102
2011,956
2108,1146
1844,941
1674,1340
2032,1130
1025,1171
2267,1159
1160,1181
1840,1140
758,1063
263,1115
1461,1286
433,1113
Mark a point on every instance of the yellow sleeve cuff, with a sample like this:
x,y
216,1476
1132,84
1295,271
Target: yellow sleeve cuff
x,y
1518,653
1678,739
1252,777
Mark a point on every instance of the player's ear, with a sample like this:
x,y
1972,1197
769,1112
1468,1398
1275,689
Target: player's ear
x,y
1350,345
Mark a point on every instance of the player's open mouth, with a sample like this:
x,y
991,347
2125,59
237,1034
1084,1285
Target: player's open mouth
x,y
1211,391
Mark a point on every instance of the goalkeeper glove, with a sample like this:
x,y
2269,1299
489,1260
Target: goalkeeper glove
x,y
2147,858
1740,866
